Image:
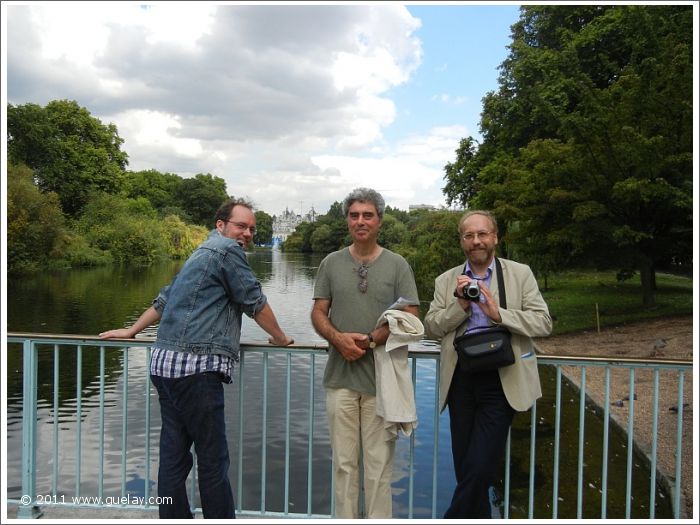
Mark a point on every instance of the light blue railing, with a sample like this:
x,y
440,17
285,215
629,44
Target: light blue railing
x,y
282,436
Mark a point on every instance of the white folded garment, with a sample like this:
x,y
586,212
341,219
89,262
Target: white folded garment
x,y
396,402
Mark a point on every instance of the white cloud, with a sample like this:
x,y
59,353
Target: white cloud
x,y
79,31
181,24
63,33
411,174
145,127
287,103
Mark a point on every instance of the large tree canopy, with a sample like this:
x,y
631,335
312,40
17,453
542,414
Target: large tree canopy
x,y
70,152
200,196
587,151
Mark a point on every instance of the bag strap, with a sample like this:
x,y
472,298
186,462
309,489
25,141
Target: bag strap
x,y
501,286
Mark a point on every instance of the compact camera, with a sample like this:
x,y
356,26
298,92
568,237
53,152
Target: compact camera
x,y
471,292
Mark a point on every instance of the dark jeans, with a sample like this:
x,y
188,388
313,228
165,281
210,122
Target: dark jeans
x,y
192,411
480,417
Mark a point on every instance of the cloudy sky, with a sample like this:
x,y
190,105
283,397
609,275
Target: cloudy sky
x,y
292,105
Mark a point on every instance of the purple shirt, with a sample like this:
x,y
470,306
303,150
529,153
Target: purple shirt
x,y
478,319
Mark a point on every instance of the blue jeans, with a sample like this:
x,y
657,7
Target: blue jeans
x,y
480,417
192,411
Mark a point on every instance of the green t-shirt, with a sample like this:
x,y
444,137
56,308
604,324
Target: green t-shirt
x,y
389,277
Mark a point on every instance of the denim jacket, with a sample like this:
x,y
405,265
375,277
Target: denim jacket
x,y
201,308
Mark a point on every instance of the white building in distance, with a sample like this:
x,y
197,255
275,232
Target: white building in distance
x,y
284,225
428,207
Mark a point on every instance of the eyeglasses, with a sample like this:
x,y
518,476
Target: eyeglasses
x,y
362,272
243,226
470,236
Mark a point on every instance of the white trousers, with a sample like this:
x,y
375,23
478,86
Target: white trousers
x,y
353,421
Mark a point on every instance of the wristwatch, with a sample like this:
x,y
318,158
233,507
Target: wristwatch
x,y
370,339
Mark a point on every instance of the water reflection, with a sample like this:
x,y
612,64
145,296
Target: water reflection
x,y
88,301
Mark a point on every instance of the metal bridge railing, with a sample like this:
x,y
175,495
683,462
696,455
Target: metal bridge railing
x,y
92,417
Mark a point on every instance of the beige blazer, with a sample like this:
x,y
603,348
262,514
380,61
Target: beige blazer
x,y
527,316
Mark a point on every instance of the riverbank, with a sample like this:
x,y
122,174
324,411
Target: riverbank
x,y
670,338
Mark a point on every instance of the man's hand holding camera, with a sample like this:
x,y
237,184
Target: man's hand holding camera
x,y
470,291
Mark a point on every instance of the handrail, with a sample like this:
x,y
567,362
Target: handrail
x,y
137,341
545,358
32,341
608,360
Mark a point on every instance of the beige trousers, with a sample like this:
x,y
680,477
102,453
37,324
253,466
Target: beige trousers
x,y
353,420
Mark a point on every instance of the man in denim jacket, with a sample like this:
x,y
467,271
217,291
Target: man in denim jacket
x,y
198,341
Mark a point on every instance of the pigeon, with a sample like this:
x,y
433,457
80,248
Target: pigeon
x,y
659,344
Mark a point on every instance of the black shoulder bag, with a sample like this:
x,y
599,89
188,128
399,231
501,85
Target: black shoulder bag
x,y
487,349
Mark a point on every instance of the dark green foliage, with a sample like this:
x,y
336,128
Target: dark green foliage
x,y
201,196
322,239
76,168
193,199
71,152
587,151
332,233
263,228
300,239
431,247
161,189
124,227
35,223
461,175
393,231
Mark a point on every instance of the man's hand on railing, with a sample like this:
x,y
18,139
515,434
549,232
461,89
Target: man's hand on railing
x,y
149,317
119,333
285,342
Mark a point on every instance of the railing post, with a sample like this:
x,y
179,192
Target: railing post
x,y
28,508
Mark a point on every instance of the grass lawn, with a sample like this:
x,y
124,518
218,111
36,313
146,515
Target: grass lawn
x,y
572,297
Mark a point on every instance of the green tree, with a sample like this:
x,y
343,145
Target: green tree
x,y
322,240
161,189
401,215
593,118
300,238
334,234
35,222
462,174
126,228
392,231
182,238
200,196
431,247
263,228
337,222
70,152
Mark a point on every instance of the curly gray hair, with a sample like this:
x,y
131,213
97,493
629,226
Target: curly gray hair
x,y
364,195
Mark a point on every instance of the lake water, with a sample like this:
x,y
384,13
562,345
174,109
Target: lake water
x,y
88,301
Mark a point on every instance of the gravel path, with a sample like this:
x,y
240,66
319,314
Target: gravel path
x,y
657,339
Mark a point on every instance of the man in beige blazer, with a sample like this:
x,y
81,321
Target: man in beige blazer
x,y
481,406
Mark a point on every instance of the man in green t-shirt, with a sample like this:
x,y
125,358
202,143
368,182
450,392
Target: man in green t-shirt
x,y
354,286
